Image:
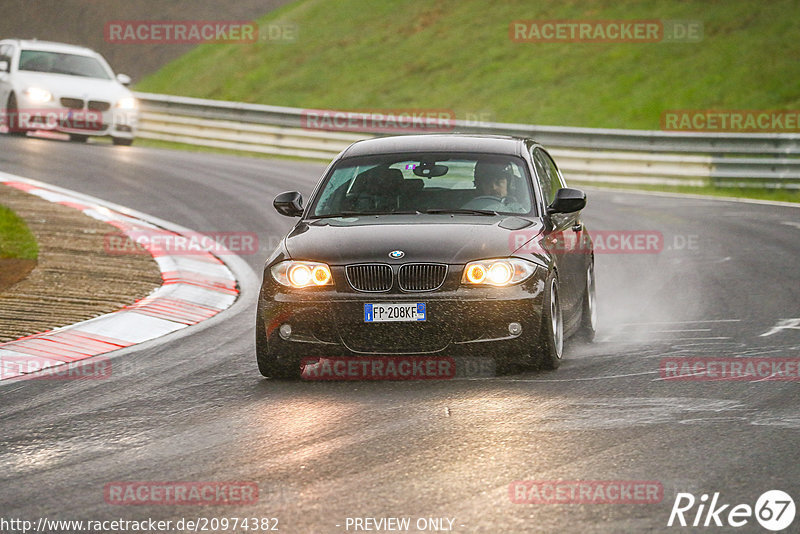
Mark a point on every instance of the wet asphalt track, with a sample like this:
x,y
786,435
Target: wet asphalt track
x,y
195,408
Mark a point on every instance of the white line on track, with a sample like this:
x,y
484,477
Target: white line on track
x,y
610,339
684,322
590,378
682,330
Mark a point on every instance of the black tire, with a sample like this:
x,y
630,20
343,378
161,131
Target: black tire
x,y
11,110
78,138
551,334
588,327
268,363
122,141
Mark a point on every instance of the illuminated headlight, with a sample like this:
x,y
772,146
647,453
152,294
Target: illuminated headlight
x,y
497,272
38,95
302,274
127,103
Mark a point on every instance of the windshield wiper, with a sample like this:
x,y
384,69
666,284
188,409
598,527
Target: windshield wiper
x,y
361,214
464,211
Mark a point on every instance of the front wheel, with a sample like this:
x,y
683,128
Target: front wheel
x,y
12,118
78,138
551,335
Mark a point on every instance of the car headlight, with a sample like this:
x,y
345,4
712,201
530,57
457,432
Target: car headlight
x,y
38,95
127,103
497,272
299,274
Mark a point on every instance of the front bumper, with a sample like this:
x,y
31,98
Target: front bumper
x,y
52,116
461,321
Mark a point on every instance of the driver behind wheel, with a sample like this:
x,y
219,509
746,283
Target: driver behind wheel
x,y
491,186
491,179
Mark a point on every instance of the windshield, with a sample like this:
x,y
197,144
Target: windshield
x,y
476,184
58,63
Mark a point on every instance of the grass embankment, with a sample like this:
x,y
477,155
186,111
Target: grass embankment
x,y
16,240
457,55
18,248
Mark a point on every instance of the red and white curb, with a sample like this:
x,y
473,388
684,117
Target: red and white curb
x,y
194,289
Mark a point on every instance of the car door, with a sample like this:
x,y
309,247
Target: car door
x,y
565,235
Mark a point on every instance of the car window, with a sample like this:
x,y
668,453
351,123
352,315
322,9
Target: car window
x,y
422,182
545,175
555,175
59,63
338,184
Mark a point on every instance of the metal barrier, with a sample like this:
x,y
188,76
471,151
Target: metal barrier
x,y
592,155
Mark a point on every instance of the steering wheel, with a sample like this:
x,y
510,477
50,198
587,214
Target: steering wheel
x,y
505,201
490,197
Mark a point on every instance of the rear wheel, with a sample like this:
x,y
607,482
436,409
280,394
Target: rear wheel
x,y
589,311
551,335
78,138
12,118
268,364
122,141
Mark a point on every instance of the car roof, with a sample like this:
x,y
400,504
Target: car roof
x,y
50,46
488,144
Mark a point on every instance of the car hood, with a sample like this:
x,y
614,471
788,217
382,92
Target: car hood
x,y
62,85
439,238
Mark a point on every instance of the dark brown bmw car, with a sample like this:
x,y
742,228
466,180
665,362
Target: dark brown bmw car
x,y
429,245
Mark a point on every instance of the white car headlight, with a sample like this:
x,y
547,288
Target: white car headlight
x,y
38,95
499,272
299,274
127,103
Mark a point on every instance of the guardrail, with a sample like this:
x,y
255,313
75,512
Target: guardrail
x,y
584,154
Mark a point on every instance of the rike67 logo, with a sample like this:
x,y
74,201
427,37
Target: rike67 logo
x,y
774,510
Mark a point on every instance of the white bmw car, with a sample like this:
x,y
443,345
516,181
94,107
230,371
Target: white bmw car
x,y
64,88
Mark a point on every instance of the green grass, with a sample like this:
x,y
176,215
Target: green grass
x,y
16,240
456,54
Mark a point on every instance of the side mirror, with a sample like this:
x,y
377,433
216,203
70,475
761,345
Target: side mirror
x,y
567,200
4,65
124,79
289,204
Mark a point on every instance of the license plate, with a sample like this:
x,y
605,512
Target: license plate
x,y
392,312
